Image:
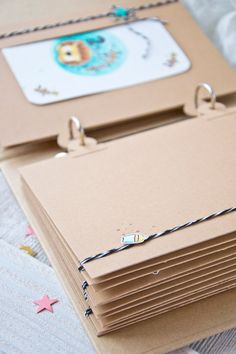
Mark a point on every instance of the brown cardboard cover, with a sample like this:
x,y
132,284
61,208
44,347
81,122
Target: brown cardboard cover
x,y
155,336
23,122
147,182
101,329
226,254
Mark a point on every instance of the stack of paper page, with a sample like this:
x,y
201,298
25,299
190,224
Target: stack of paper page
x,y
142,184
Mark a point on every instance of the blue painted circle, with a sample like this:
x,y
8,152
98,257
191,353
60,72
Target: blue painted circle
x,y
91,54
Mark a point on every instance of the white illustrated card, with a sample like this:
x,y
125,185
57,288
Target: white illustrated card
x,y
98,61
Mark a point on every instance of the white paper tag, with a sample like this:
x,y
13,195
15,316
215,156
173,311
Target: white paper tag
x,y
98,61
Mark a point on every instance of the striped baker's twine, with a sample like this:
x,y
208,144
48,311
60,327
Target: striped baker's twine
x,y
156,235
83,19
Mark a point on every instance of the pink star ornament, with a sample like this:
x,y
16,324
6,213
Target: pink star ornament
x,y
29,231
45,303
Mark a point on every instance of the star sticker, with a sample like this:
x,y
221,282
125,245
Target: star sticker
x,y
29,231
45,303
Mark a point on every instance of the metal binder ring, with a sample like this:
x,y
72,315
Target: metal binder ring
x,y
74,123
209,90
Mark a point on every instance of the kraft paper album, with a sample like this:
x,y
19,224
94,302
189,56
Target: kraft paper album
x,y
136,216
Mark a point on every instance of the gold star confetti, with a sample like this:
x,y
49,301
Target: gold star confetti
x,y
28,250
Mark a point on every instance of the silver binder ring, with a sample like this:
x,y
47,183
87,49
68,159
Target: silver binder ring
x,y
72,138
75,125
211,92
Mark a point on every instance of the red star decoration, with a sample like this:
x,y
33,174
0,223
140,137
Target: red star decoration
x,y
45,303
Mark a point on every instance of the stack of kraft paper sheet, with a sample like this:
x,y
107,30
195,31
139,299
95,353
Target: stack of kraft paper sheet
x,y
136,187
152,294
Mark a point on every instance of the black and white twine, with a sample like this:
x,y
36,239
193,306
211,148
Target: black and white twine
x,y
156,235
88,312
82,19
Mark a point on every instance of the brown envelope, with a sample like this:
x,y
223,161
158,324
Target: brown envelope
x,y
24,122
